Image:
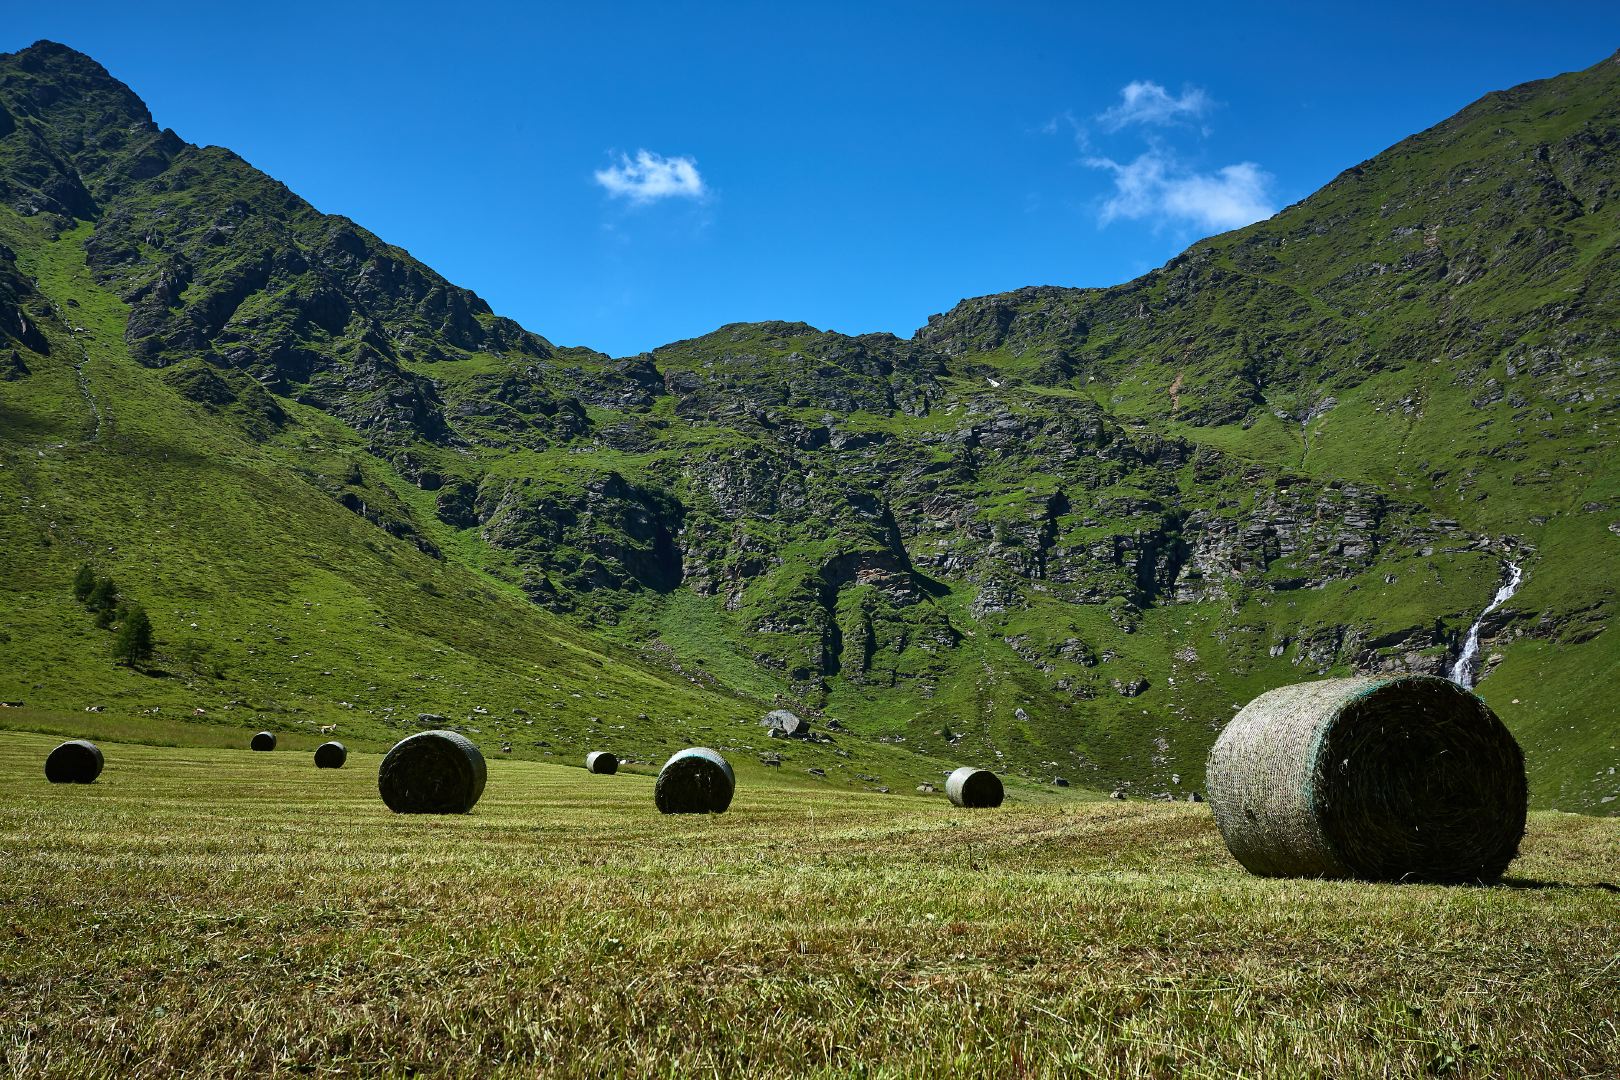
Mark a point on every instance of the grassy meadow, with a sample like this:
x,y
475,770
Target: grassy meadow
x,y
209,911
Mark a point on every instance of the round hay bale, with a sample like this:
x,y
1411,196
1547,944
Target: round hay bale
x,y
331,755
264,740
77,761
972,787
600,761
432,772
1410,778
695,781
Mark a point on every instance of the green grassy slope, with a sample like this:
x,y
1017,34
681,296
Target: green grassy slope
x,y
274,605
1064,533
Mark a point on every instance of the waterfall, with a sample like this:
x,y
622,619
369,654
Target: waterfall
x,y
1463,671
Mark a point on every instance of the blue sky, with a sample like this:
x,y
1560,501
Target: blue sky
x,y
624,175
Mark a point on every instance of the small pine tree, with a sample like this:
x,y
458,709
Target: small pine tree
x,y
103,595
134,642
84,582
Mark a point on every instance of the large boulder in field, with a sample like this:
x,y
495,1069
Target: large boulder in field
x,y
783,724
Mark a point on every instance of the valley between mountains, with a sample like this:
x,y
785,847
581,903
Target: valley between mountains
x,y
1062,533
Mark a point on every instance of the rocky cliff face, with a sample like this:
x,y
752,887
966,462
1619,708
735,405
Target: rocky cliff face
x,y
1072,525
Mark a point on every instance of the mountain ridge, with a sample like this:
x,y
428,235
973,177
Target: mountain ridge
x,y
1060,530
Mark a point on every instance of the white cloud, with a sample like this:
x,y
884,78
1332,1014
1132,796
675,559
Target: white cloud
x,y
1144,102
1156,186
650,177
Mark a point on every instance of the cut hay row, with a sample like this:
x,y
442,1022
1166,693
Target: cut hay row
x,y
1410,778
1404,779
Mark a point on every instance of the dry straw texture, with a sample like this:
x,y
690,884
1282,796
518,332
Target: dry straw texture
x,y
264,740
77,761
972,787
331,755
432,772
600,761
1404,779
694,781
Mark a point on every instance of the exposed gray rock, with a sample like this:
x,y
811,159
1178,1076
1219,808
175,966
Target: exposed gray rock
x,y
784,724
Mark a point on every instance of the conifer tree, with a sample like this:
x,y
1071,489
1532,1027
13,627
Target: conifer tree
x,y
103,600
84,582
134,642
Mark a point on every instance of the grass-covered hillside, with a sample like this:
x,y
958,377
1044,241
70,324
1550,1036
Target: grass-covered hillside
x,y
225,913
1060,532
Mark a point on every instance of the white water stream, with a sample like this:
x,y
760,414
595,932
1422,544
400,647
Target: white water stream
x,y
1463,672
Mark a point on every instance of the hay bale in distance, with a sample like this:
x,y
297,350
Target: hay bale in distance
x,y
602,762
331,755
972,787
77,761
432,772
695,781
1410,778
264,740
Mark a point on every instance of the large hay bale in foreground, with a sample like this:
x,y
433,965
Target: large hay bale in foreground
x,y
695,781
432,772
600,761
1410,778
264,740
972,787
77,761
331,755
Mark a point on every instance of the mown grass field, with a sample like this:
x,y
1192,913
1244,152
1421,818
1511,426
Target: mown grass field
x,y
208,911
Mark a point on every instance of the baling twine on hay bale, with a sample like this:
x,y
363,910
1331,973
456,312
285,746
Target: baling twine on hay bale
x,y
264,740
972,787
602,762
77,761
432,772
331,755
1410,778
695,781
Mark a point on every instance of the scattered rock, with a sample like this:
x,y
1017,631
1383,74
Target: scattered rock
x,y
782,724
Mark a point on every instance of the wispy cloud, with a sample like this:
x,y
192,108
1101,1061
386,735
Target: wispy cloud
x,y
649,177
1155,185
1145,102
1065,122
